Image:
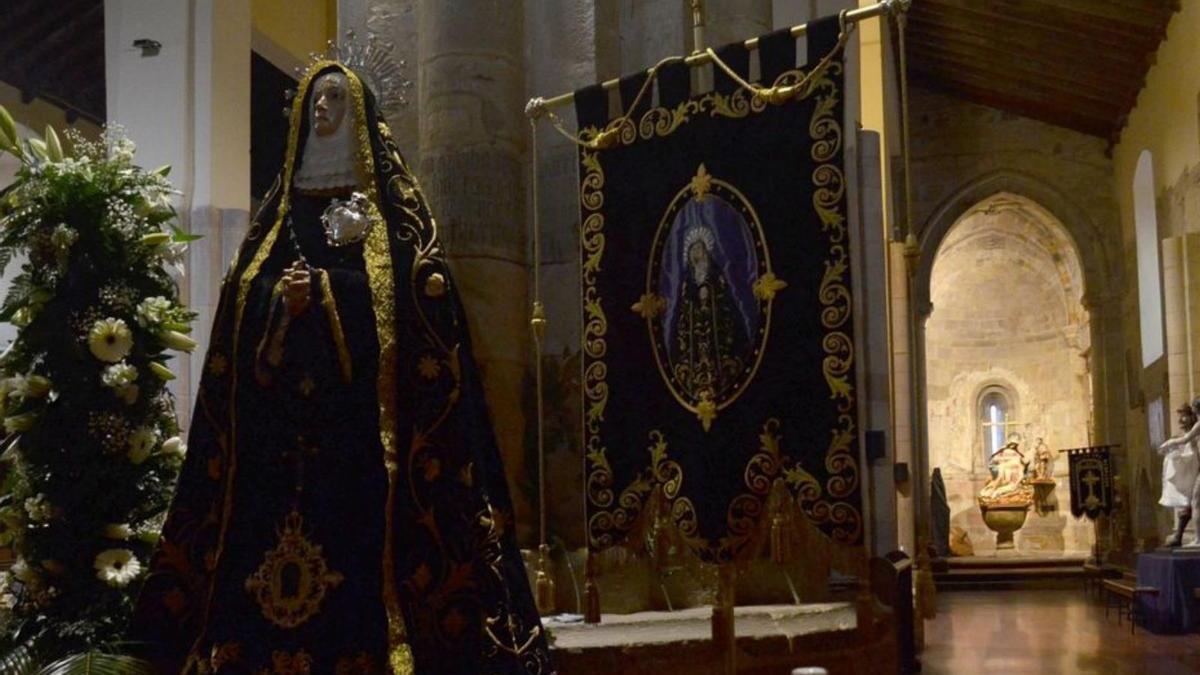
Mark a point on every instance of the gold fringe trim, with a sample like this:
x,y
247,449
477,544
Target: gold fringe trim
x,y
378,257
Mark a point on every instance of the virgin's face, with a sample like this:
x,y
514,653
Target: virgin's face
x,y
329,103
697,255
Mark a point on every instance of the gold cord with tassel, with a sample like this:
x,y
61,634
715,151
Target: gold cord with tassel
x,y
544,580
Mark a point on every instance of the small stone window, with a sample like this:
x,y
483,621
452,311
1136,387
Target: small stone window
x,y
995,420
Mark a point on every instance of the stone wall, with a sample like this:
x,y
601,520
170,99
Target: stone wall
x,y
1006,291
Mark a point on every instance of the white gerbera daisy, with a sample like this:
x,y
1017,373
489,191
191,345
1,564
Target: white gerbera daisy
x,y
141,444
110,340
117,567
118,375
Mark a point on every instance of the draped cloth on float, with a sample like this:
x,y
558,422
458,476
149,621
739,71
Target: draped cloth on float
x,y
715,258
343,508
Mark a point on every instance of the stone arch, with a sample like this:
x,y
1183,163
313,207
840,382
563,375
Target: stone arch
x,y
1085,236
1092,289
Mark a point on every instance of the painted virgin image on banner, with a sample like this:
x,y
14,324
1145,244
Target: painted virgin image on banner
x,y
707,258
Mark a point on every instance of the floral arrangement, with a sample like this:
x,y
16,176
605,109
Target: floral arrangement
x,y
91,442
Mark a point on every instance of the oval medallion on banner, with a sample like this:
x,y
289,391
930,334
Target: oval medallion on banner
x,y
708,295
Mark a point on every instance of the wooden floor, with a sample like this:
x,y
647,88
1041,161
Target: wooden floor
x,y
1045,632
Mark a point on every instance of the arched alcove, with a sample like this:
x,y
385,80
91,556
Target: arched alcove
x,y
1008,324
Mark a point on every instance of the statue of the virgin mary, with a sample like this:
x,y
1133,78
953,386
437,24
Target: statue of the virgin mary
x,y
343,508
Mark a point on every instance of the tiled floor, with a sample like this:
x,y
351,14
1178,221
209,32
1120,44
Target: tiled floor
x,y
1045,631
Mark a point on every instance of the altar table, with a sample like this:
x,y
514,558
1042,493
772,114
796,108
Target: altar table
x,y
1176,575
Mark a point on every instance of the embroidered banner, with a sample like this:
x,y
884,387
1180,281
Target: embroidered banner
x,y
717,319
1091,481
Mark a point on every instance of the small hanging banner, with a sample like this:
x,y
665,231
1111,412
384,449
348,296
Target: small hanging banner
x,y
1091,481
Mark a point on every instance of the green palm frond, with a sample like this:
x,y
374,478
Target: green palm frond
x,y
98,663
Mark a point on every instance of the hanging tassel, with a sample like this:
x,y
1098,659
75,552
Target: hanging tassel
x,y
660,534
864,603
781,539
591,593
545,583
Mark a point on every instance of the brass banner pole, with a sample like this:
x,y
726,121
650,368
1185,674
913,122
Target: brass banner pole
x,y
698,21
701,58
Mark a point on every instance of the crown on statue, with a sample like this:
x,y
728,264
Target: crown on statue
x,y
373,61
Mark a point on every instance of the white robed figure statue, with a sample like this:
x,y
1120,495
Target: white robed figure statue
x,y
1181,465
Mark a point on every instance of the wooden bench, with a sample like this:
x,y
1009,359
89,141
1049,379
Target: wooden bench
x,y
1122,595
1094,576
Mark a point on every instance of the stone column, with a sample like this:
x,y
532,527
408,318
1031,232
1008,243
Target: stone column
x,y
568,48
186,106
472,135
1175,302
652,30
1191,285
730,20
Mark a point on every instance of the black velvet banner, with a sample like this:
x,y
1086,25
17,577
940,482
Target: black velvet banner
x,y
717,324
1091,481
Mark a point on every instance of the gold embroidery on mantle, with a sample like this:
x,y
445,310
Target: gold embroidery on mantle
x,y
283,663
224,654
293,579
359,664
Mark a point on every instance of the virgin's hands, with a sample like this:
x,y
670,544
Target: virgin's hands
x,y
297,293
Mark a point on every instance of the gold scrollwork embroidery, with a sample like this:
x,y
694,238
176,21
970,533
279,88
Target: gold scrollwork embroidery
x,y
293,579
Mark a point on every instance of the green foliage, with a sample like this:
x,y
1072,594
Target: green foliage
x,y
92,437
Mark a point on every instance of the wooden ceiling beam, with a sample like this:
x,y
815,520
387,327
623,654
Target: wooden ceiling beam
x,y
1068,118
1003,15
1113,105
1146,15
1007,84
1164,6
1098,80
59,55
21,39
67,45
961,27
